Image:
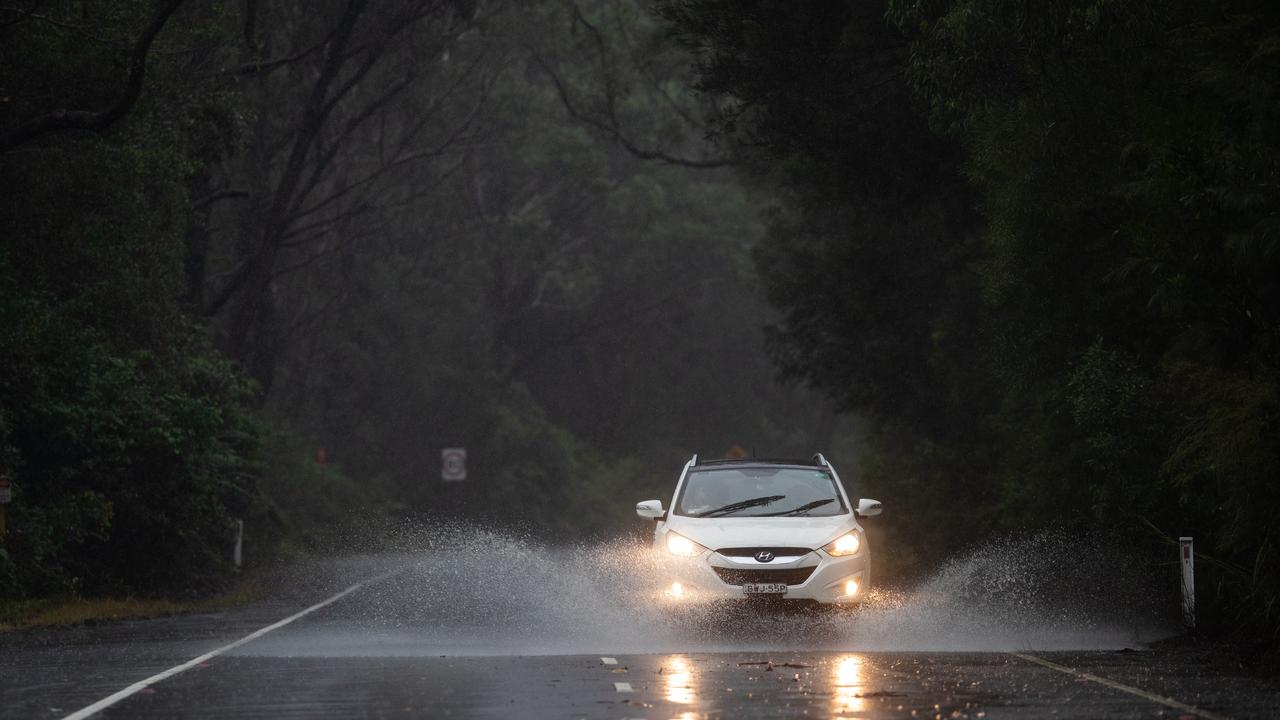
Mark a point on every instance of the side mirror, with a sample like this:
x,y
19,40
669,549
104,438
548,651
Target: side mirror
x,y
651,510
869,508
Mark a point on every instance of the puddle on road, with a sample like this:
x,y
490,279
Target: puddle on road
x,y
470,591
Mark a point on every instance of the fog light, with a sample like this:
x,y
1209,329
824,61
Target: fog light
x,y
851,588
677,590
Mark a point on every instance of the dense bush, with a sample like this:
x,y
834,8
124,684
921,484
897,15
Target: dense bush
x,y
128,441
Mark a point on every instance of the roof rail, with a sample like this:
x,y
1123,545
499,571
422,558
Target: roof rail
x,y
758,461
820,459
694,461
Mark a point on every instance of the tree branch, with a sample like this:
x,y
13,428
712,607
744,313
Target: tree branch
x,y
25,15
211,198
610,124
88,119
611,128
236,278
257,66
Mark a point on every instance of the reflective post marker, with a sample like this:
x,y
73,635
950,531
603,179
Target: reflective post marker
x,y
1187,558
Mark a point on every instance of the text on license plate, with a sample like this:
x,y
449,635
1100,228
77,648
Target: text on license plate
x,y
764,588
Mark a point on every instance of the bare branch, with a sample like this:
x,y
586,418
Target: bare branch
x,y
611,128
318,104
440,149
610,123
88,119
235,280
201,203
22,15
251,25
315,229
647,71
25,15
258,66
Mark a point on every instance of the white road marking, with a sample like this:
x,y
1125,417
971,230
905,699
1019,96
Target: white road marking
x,y
108,701
623,687
609,661
1167,702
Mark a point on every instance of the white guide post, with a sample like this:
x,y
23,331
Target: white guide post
x,y
1187,558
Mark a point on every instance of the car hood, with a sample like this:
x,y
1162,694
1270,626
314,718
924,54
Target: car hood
x,y
716,533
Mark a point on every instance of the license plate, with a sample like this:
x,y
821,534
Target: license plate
x,y
764,588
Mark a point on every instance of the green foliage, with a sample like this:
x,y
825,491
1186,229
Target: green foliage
x,y
546,479
567,312
441,251
306,501
1099,346
126,436
1128,185
1222,468
118,452
868,255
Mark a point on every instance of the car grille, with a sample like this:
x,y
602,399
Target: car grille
x,y
751,551
790,576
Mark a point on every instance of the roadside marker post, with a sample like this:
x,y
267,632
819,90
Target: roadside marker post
x,y
1187,559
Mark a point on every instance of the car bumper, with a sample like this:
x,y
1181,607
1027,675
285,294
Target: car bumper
x,y
712,577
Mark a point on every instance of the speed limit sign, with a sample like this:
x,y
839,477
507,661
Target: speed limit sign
x,y
453,464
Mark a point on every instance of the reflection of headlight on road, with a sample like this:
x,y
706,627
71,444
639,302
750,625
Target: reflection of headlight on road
x,y
848,685
847,544
680,545
679,678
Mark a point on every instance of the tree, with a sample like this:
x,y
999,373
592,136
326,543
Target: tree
x,y
868,256
1128,180
360,97
124,433
1096,345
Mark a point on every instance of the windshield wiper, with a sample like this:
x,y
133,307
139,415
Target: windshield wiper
x,y
797,511
741,505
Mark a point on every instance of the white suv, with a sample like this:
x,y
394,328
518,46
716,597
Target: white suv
x,y
753,527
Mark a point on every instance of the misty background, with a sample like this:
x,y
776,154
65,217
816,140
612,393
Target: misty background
x,y
262,260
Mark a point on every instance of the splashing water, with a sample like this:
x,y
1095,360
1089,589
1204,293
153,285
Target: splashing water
x,y
471,591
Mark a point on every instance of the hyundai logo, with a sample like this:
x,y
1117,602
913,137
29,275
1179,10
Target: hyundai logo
x,y
764,556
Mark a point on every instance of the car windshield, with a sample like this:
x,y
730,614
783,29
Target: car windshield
x,y
760,492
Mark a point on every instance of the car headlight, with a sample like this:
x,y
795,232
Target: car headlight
x,y
847,544
680,545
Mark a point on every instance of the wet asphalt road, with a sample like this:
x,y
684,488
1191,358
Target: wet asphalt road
x,y
286,674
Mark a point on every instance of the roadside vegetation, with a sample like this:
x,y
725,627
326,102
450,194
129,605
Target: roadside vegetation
x,y
1036,247
263,261
64,611
1019,267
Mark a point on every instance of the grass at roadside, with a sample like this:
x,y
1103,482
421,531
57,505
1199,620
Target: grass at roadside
x,y
52,612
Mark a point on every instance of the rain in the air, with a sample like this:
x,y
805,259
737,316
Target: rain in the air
x,y
656,359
